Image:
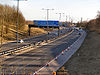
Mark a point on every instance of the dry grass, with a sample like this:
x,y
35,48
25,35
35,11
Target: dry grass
x,y
86,61
3,40
62,71
34,31
11,35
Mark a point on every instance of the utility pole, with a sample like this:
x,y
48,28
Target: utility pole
x,y
47,14
47,20
81,19
60,14
17,36
69,18
17,20
66,19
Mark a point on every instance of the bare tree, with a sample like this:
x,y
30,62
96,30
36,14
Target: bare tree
x,y
8,19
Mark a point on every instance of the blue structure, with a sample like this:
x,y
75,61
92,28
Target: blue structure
x,y
46,23
43,24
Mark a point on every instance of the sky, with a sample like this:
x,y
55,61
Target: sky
x,y
73,9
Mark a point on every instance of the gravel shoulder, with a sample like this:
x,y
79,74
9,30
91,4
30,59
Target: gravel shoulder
x,y
86,61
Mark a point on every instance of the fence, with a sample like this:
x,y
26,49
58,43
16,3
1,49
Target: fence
x,y
54,64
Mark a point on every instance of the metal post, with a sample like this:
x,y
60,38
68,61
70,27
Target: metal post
x,y
47,16
60,17
47,21
59,23
17,20
81,20
66,19
47,24
69,20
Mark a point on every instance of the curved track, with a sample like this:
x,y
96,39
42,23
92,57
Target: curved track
x,y
13,46
33,60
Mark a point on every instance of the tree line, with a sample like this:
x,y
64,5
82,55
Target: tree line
x,y
94,24
8,20
91,25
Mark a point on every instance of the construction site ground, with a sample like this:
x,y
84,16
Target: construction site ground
x,y
86,61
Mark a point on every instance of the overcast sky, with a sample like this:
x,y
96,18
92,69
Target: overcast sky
x,y
32,9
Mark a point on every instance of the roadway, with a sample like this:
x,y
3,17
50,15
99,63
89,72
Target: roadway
x,y
33,60
13,45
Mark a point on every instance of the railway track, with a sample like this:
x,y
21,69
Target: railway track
x,y
11,48
35,58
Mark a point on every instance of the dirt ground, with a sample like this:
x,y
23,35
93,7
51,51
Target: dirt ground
x,y
86,61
